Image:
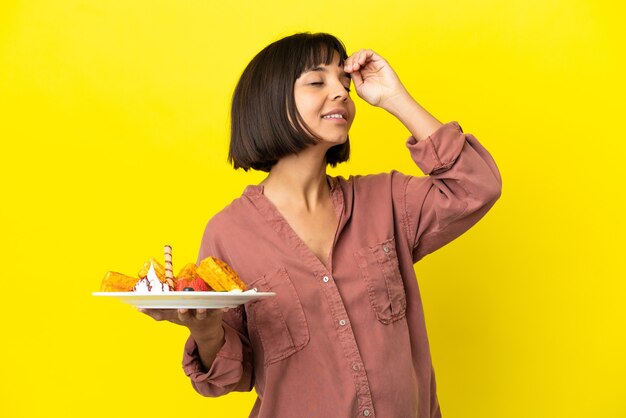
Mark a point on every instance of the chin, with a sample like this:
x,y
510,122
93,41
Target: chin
x,y
336,141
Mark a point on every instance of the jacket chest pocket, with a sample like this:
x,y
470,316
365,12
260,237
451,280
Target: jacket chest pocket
x,y
378,265
278,322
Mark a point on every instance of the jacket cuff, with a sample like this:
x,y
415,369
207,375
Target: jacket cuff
x,y
440,150
227,368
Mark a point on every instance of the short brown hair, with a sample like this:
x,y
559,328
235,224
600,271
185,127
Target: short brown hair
x,y
264,104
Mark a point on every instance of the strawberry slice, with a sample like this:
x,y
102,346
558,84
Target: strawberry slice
x,y
182,284
199,285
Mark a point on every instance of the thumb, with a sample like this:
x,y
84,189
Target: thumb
x,y
357,79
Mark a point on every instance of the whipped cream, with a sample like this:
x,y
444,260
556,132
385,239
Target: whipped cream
x,y
151,283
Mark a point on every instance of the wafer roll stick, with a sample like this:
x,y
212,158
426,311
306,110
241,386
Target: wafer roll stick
x,y
169,271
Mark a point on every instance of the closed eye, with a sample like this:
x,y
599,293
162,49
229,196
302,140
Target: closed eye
x,y
320,83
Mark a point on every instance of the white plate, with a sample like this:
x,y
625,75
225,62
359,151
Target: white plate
x,y
190,300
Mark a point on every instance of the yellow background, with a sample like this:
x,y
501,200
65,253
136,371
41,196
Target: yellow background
x,y
114,133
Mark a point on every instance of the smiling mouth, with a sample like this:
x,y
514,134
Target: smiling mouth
x,y
334,116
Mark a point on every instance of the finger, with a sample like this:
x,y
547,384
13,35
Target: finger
x,y
351,63
357,79
347,64
152,313
201,313
368,55
362,56
357,61
183,314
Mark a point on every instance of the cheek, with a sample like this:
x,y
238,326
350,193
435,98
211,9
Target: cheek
x,y
304,106
352,111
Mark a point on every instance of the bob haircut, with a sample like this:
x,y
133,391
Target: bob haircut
x,y
264,104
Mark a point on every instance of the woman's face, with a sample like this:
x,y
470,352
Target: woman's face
x,y
323,100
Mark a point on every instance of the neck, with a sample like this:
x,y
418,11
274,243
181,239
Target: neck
x,y
299,181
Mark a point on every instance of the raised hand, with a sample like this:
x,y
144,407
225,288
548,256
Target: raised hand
x,y
374,79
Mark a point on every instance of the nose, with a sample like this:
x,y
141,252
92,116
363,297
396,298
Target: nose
x,y
340,93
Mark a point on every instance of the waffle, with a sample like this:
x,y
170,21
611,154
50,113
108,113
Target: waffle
x,y
219,275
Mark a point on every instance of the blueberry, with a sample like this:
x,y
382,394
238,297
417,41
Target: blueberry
x,y
188,289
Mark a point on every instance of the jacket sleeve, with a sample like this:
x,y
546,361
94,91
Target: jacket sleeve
x,y
232,368
463,183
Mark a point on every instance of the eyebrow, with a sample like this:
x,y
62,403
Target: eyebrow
x,y
323,70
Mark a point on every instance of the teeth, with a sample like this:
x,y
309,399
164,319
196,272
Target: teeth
x,y
333,116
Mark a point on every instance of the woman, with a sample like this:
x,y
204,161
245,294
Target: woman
x,y
345,334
